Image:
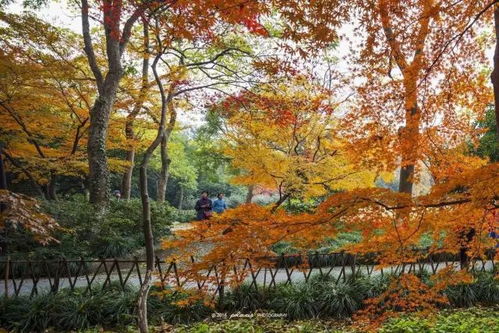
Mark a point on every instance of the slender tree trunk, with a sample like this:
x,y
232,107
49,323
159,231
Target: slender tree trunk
x,y
165,166
144,195
249,194
165,158
36,185
280,202
3,186
495,73
3,176
51,188
126,183
466,237
181,198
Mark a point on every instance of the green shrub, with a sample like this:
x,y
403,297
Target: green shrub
x,y
117,234
487,289
183,215
298,301
165,308
81,309
340,300
245,298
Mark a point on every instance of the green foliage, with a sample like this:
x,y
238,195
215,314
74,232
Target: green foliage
x,y
472,320
81,309
260,325
298,301
117,234
342,239
69,310
484,290
245,298
488,146
322,297
183,215
298,206
164,307
340,300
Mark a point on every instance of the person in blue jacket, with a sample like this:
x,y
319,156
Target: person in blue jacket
x,y
219,205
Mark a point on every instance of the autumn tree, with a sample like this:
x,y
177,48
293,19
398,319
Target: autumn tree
x,y
285,137
45,94
415,57
202,69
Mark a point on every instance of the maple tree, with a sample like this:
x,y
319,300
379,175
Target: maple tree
x,y
284,136
415,57
45,93
20,211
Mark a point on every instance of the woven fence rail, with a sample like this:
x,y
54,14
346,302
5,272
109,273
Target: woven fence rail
x,y
30,278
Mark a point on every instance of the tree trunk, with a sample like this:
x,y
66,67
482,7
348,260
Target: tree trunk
x,y
98,178
409,136
466,237
165,159
165,166
3,176
126,183
51,188
405,179
181,199
495,73
142,301
144,195
249,194
117,38
280,202
3,186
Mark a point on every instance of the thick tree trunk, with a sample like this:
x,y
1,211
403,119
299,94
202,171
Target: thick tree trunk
x,y
98,177
495,73
405,179
117,37
165,166
409,137
249,194
181,198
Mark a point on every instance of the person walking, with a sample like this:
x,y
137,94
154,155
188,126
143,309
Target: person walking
x,y
219,205
203,207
